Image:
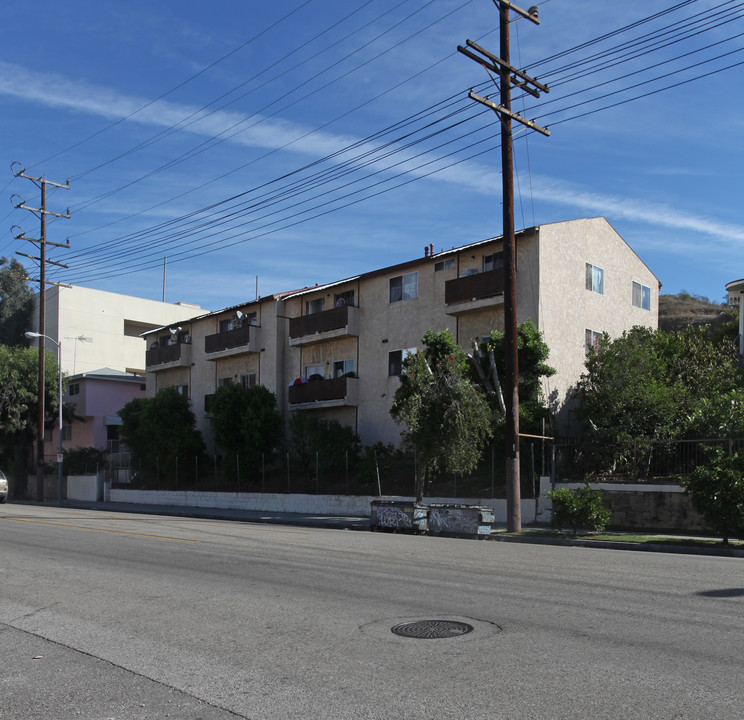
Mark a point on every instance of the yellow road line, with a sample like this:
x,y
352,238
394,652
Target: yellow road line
x,y
114,532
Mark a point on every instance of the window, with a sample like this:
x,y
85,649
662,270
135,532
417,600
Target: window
x,y
248,381
641,296
66,433
591,340
250,318
183,390
341,367
317,370
494,261
444,265
73,389
594,279
343,298
224,381
396,358
404,287
314,306
226,325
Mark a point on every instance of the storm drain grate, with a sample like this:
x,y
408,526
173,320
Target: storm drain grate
x,y
426,629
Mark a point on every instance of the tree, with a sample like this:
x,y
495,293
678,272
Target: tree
x,y
19,402
329,439
489,364
447,419
650,383
15,303
161,431
717,492
246,423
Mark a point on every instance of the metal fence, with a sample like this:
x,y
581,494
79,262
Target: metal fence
x,y
637,460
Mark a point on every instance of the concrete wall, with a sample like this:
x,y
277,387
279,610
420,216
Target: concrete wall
x,y
636,505
335,505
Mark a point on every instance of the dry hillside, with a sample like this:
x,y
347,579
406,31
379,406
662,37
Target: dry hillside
x,y
678,311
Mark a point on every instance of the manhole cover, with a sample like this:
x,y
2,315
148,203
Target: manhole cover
x,y
432,629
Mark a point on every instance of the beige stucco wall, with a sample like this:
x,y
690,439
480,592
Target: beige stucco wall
x,y
567,308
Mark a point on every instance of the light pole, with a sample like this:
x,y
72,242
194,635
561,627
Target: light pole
x,y
30,334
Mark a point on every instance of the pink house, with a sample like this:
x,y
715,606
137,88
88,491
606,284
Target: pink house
x,y
96,396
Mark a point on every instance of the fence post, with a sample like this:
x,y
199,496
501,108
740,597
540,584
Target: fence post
x,y
157,473
237,468
493,474
317,453
635,460
346,453
289,484
377,468
196,471
176,470
263,473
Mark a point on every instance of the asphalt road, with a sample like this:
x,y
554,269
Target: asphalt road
x,y
107,616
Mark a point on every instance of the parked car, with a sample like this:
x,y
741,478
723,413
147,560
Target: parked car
x,y
3,487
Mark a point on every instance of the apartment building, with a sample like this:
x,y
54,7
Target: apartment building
x,y
100,329
337,349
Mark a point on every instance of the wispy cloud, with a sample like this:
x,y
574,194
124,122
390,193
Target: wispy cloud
x,y
79,96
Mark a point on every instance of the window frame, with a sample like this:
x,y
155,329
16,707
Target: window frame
x,y
446,264
591,276
644,297
403,287
346,366
591,341
404,353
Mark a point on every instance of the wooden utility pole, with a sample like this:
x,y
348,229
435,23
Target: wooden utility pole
x,y
508,76
43,261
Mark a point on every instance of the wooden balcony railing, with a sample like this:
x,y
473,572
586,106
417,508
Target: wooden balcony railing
x,y
320,390
165,354
238,337
474,287
325,321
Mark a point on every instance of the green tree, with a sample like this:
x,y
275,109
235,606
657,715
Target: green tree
x,y
19,408
649,384
489,363
328,440
246,423
717,492
161,431
15,303
447,419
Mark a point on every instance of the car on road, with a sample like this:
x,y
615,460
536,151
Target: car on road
x,y
3,487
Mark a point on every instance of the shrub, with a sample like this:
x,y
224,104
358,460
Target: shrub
x,y
580,508
717,493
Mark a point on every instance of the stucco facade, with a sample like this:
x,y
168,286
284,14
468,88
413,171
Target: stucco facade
x,y
572,277
100,329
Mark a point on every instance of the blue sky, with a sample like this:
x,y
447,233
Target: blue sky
x,y
305,141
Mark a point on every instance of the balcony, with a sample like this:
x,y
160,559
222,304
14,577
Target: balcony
x,y
336,392
474,292
327,325
165,357
239,341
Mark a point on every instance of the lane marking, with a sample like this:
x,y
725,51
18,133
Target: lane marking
x,y
113,532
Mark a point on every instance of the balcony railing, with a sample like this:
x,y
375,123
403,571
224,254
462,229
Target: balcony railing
x,y
326,321
323,391
474,287
175,352
238,337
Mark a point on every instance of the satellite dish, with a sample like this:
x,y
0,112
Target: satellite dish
x,y
174,331
239,316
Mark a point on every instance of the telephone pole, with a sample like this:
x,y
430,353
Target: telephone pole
x,y
42,243
508,76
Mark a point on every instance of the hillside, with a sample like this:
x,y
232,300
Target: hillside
x,y
678,311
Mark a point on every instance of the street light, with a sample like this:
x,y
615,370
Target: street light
x,y
30,334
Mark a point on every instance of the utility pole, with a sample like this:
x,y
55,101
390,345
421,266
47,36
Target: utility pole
x,y
508,76
42,213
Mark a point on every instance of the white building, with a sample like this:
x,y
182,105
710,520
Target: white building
x,y
100,329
